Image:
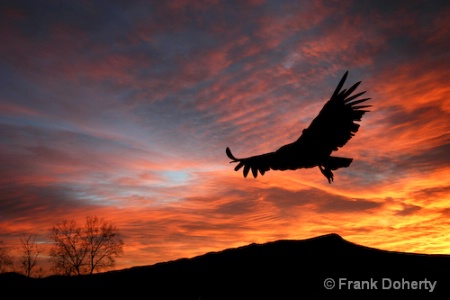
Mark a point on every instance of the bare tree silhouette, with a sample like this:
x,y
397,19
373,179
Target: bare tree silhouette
x,y
29,253
6,262
83,250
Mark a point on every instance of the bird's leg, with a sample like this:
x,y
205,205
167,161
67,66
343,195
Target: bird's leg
x,y
327,173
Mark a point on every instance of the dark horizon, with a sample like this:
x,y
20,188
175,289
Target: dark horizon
x,y
325,265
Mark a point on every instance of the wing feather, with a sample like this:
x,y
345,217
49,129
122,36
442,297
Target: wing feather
x,y
246,169
356,96
254,171
240,165
347,93
340,85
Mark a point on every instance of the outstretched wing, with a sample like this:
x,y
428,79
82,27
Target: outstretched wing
x,y
335,125
256,163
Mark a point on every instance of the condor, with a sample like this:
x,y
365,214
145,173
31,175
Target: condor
x,y
331,129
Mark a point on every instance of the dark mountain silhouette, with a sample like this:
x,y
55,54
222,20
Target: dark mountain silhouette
x,y
285,269
333,127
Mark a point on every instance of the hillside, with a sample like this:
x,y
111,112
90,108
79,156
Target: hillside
x,y
293,269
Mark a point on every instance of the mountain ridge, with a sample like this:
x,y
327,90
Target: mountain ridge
x,y
282,268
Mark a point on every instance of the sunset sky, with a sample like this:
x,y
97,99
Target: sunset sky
x,y
123,110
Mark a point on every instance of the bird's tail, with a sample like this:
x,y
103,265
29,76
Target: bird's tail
x,y
334,163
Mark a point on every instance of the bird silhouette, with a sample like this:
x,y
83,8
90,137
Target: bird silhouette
x,y
333,127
